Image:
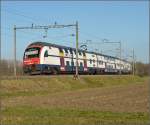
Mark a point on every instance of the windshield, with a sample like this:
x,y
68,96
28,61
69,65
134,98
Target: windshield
x,y
32,53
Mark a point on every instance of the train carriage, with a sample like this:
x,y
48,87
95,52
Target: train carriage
x,y
47,58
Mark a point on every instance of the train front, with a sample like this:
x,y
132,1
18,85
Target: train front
x,y
31,60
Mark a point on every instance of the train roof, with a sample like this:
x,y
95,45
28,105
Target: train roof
x,y
65,47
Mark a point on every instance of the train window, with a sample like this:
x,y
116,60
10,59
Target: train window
x,y
46,54
83,53
72,63
90,61
61,50
67,63
80,53
66,51
71,51
99,62
81,64
105,58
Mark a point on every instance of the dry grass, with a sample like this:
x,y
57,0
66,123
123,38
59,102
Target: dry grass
x,y
62,100
39,85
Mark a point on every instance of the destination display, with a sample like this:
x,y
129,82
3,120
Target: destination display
x,y
31,52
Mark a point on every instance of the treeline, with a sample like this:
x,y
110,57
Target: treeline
x,y
142,69
7,68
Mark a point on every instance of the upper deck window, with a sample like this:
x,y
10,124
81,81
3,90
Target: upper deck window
x,y
93,55
66,51
71,51
60,50
83,53
74,51
80,53
90,61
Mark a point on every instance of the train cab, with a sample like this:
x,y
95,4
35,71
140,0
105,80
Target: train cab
x,y
31,59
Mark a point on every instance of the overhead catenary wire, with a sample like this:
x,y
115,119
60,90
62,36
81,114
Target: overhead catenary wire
x,y
18,13
60,37
96,43
38,36
46,27
30,19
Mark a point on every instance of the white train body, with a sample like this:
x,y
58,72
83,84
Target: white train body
x,y
50,58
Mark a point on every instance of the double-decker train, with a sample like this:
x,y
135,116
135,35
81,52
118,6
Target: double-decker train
x,y
47,58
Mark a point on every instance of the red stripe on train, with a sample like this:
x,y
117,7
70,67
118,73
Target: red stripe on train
x,y
31,61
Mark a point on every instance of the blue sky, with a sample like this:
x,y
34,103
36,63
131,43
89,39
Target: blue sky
x,y
126,21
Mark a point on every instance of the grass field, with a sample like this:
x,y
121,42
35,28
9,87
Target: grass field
x,y
61,100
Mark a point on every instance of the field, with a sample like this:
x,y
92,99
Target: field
x,y
61,100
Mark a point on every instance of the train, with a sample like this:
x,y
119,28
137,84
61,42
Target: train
x,y
48,58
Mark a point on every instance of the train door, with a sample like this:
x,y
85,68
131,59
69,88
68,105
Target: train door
x,y
85,65
72,62
85,61
62,63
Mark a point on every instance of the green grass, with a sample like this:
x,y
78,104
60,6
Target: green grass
x,y
45,85
26,115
